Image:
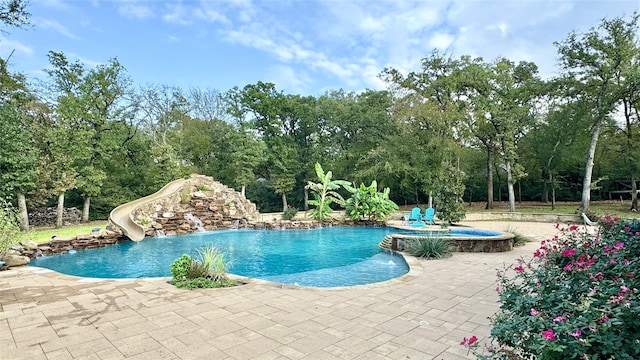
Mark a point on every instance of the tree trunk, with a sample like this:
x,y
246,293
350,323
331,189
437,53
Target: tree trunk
x,y
85,209
489,179
588,171
553,193
242,190
634,194
545,186
430,204
24,214
512,194
306,199
60,210
519,192
284,202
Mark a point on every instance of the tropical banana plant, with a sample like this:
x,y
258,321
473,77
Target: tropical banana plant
x,y
324,194
366,201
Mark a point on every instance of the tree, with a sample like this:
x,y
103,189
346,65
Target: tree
x,y
502,96
18,158
448,191
592,62
89,102
553,144
14,13
275,125
430,109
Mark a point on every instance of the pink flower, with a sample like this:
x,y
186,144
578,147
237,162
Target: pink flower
x,y
548,335
534,312
518,268
573,227
567,267
469,341
618,245
569,252
472,340
576,334
558,319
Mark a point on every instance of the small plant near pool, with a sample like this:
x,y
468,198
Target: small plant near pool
x,y
518,238
430,248
144,219
209,271
290,213
578,297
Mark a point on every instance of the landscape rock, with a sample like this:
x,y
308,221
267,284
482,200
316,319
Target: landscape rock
x,y
16,260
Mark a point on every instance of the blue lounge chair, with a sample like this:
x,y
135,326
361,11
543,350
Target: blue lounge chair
x,y
415,218
428,215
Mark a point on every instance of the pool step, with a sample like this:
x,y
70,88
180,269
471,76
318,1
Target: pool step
x,y
386,243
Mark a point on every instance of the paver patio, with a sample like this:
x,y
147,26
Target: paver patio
x,y
424,315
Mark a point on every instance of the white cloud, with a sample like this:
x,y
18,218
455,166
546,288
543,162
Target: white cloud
x,y
210,15
177,14
135,10
173,39
55,26
502,28
289,78
87,62
7,46
441,41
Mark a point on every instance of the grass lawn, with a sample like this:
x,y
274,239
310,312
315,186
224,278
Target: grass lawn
x,y
43,235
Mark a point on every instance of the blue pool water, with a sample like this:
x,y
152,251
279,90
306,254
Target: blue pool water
x,y
326,257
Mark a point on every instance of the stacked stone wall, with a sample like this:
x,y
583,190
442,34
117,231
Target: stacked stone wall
x,y
48,216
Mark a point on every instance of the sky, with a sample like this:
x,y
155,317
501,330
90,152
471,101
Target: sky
x,y
305,47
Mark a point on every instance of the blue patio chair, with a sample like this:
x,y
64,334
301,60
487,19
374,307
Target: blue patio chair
x,y
428,215
415,218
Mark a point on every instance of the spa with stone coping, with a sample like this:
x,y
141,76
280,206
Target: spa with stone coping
x,y
487,243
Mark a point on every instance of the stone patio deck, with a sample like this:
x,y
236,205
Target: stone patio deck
x,y
425,315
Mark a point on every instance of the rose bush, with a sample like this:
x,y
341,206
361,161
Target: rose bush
x,y
577,298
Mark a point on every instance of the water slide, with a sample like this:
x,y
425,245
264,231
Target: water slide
x,y
122,216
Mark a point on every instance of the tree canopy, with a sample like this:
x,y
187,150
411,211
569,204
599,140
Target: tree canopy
x,y
457,129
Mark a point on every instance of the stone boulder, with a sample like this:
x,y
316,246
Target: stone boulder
x,y
12,260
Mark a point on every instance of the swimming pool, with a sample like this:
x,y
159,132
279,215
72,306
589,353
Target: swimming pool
x,y
324,257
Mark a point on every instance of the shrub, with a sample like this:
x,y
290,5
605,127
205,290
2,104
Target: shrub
x,y
180,267
577,298
213,261
203,283
430,248
518,238
144,219
290,213
202,188
196,270
207,272
9,228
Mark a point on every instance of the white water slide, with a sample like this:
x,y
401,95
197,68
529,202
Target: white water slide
x,y
122,216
